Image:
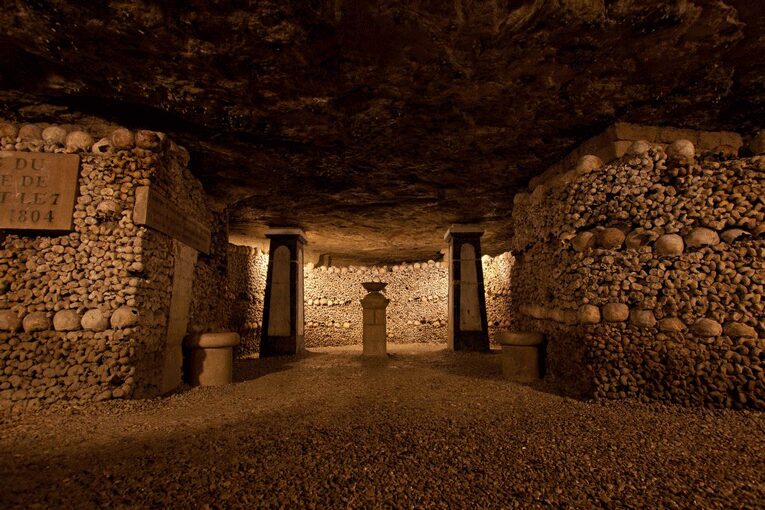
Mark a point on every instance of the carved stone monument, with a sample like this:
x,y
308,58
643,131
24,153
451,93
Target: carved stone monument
x,y
374,305
283,323
468,327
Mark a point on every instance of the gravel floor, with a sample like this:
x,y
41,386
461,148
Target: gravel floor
x,y
425,429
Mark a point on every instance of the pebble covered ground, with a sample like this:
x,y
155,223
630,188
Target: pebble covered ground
x,y
426,428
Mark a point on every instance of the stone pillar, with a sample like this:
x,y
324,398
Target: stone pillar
x,y
468,327
374,305
283,323
185,259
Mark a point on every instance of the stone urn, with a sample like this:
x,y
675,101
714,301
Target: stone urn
x,y
374,305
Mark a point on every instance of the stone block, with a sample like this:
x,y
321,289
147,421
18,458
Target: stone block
x,y
521,360
519,338
631,132
712,140
619,149
211,362
670,134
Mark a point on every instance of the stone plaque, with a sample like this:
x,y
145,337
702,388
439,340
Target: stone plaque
x,y
37,190
155,210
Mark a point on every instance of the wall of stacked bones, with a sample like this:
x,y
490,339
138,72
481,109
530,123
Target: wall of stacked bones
x,y
83,314
647,274
417,291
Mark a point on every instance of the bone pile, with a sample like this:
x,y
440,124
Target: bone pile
x,y
418,293
647,276
83,315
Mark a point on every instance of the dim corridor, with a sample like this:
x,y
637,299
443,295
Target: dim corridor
x,y
426,428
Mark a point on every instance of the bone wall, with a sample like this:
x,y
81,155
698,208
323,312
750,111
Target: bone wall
x,y
246,274
83,314
647,276
209,309
417,291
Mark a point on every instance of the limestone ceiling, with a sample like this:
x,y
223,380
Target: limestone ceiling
x,y
376,124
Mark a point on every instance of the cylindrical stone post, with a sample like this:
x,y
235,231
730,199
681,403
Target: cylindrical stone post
x,y
212,358
521,357
374,305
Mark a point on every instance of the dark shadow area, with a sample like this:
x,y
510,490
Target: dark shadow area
x,y
254,367
478,365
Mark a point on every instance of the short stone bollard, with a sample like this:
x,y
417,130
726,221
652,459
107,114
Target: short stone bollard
x,y
374,304
520,355
212,358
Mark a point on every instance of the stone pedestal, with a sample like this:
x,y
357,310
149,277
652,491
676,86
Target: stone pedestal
x,y
374,305
468,327
211,359
283,322
521,360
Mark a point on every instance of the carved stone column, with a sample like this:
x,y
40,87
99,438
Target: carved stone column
x,y
468,327
374,305
283,323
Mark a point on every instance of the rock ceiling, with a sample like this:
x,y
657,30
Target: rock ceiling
x,y
376,124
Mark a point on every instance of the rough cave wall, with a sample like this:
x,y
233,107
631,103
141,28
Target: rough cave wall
x,y
83,315
647,276
417,291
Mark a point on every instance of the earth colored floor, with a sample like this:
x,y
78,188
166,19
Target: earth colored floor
x,y
425,429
